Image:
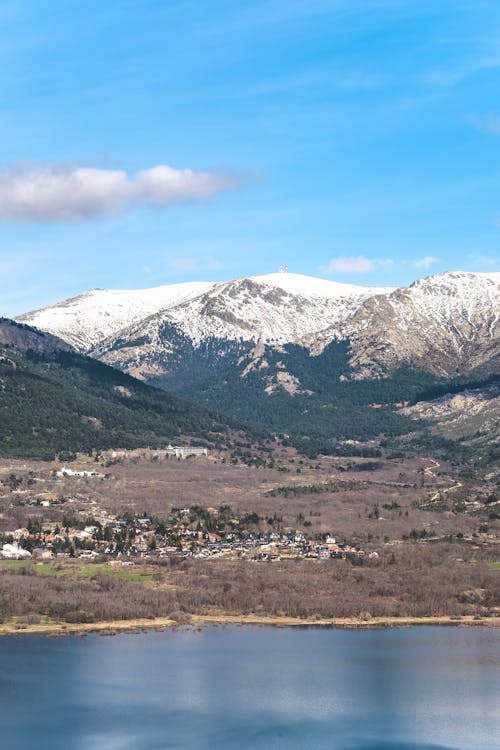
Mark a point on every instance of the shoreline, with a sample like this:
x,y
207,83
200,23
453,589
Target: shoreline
x,y
139,625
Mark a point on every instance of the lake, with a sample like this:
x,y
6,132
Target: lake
x,y
249,687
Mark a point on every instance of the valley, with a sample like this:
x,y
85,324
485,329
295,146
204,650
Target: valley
x,y
317,360
135,534
347,443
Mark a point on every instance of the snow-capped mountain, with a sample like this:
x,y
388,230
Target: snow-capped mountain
x,y
445,324
313,359
276,308
88,319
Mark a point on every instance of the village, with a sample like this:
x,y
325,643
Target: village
x,y
188,532
133,507
60,525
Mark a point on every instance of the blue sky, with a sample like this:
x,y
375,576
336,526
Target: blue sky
x,y
357,140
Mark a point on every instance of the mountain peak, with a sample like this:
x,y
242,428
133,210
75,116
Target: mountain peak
x,y
447,322
310,286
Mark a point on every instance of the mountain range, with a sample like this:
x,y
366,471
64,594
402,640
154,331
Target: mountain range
x,y
448,324
314,358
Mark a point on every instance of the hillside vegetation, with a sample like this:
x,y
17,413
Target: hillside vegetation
x,y
323,405
54,400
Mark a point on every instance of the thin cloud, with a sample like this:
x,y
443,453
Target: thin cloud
x,y
361,264
358,264
486,58
270,13
182,265
66,193
185,264
484,260
489,124
426,262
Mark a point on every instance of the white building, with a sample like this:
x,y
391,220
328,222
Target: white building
x,y
13,552
64,472
184,451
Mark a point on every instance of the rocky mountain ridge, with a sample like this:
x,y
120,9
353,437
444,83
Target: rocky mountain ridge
x,y
24,338
446,324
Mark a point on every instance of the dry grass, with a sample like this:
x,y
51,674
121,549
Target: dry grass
x,y
142,485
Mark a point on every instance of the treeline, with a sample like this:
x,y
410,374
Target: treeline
x,y
329,408
337,485
459,385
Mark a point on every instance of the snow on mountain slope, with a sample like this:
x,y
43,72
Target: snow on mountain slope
x,y
278,308
447,324
309,286
86,320
275,307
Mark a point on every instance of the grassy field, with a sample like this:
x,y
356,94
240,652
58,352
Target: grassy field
x,y
80,570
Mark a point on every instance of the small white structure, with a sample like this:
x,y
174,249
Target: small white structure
x,y
184,451
64,472
13,552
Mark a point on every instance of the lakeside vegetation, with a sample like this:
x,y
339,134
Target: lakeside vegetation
x,y
138,535
416,582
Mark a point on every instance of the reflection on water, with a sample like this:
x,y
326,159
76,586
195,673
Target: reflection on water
x,y
225,688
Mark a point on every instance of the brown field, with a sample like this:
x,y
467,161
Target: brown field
x,y
142,485
453,574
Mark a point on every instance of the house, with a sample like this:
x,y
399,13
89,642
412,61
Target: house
x,y
64,472
42,553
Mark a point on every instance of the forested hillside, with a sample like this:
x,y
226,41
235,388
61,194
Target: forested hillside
x,y
317,404
53,399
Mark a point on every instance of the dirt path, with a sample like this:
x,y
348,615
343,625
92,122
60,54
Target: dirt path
x,y
429,471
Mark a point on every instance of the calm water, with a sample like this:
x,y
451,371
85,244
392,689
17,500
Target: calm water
x,y
224,688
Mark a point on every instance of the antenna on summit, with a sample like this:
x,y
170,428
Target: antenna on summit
x,y
283,269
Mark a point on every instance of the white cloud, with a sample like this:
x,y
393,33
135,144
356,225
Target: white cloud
x,y
484,260
425,262
489,124
62,193
182,264
162,185
358,264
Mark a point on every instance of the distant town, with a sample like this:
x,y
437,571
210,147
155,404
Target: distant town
x,y
195,531
186,532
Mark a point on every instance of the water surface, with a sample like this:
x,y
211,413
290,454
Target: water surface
x,y
245,687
